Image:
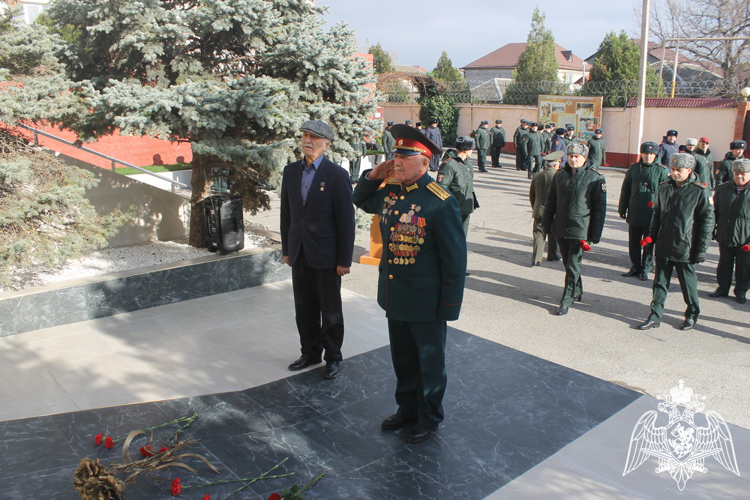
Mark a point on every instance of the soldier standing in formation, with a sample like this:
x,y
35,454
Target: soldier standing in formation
x,y
681,230
482,136
422,273
723,172
497,142
549,131
597,150
559,144
574,213
434,135
457,177
704,163
667,148
732,215
538,197
570,134
534,149
636,199
519,142
388,141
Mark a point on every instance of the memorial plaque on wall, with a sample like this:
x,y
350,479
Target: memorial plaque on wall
x,y
584,113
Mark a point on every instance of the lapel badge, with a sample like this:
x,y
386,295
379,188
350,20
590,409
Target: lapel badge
x,y
322,186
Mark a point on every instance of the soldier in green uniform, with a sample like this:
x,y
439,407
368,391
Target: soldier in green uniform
x,y
497,142
457,177
534,146
538,197
723,172
597,149
570,134
574,213
636,199
482,136
422,273
519,142
388,141
549,130
681,230
732,214
704,163
360,150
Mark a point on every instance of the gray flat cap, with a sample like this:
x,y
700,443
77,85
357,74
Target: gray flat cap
x,y
317,127
682,160
742,165
577,148
691,142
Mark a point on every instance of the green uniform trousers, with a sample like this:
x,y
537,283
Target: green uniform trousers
x,y
688,281
641,258
354,166
481,158
729,258
465,223
418,353
533,164
572,255
539,242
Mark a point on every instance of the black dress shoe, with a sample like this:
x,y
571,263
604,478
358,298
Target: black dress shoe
x,y
331,370
718,293
553,259
304,362
649,324
419,434
688,324
537,264
644,276
562,310
741,299
630,273
396,421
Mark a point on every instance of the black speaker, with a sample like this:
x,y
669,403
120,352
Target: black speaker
x,y
224,224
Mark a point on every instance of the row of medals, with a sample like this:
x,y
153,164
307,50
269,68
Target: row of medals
x,y
408,231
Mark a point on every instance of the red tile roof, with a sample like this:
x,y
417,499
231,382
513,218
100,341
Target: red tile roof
x,y
685,102
506,57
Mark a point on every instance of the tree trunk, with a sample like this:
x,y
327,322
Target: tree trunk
x,y
201,187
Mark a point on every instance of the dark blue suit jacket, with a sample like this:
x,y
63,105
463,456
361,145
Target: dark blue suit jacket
x,y
324,224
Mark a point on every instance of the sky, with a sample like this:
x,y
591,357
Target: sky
x,y
420,30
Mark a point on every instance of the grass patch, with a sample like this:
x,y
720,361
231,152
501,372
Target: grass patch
x,y
155,168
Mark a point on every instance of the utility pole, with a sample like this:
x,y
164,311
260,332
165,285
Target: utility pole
x,y
642,67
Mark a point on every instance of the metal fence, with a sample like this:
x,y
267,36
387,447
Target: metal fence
x,y
616,93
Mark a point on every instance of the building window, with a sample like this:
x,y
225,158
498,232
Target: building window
x,y
31,12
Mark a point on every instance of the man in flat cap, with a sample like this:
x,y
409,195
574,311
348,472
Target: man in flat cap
x,y
636,199
457,177
519,142
422,273
732,215
482,137
534,149
497,142
723,172
317,240
538,197
388,141
704,163
574,212
681,230
667,148
434,135
597,149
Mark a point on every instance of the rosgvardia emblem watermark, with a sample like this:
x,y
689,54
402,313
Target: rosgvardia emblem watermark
x,y
681,447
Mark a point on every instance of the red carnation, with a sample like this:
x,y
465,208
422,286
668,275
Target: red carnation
x,y
207,497
98,438
162,449
274,496
745,248
650,204
645,241
176,487
585,245
108,443
146,451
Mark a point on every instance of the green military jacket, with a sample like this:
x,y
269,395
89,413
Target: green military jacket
x,y
683,220
457,178
568,140
482,137
388,142
539,189
518,138
723,172
704,167
597,152
732,215
638,190
534,146
576,204
497,137
546,143
423,266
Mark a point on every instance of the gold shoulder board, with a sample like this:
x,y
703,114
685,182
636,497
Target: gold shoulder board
x,y
438,190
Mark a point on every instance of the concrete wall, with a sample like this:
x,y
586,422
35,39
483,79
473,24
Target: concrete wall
x,y
160,215
183,176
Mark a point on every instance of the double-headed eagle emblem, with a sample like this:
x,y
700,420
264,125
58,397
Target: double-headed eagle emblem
x,y
681,446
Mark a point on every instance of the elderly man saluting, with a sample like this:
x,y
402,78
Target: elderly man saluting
x,y
422,274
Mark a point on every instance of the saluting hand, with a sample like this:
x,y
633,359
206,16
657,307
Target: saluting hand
x,y
382,171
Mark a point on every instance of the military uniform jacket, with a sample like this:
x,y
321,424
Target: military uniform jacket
x,y
535,145
597,152
539,189
683,220
558,144
723,172
704,167
546,143
576,204
568,140
497,137
518,140
638,190
388,141
666,150
732,215
458,179
483,138
423,267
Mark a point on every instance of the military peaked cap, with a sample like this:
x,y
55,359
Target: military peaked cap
x,y
412,142
553,157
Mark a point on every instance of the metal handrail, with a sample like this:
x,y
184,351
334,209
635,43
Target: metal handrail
x,y
112,160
